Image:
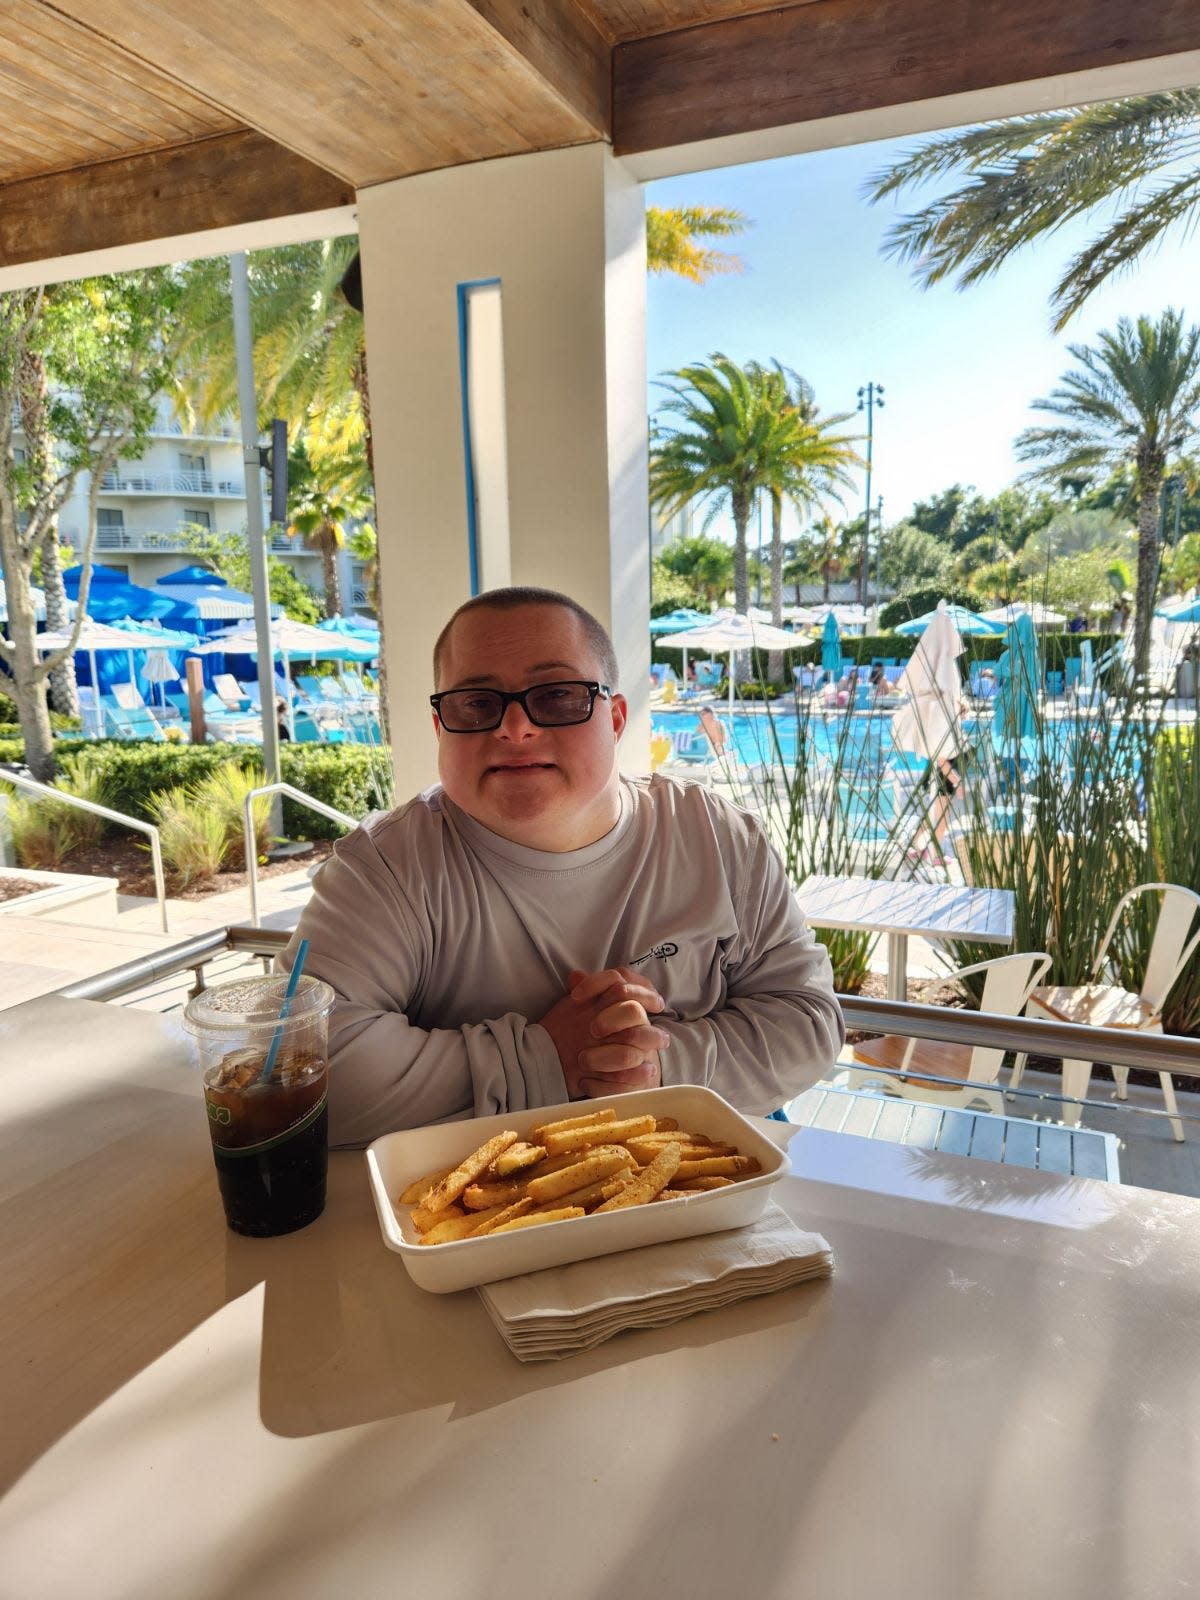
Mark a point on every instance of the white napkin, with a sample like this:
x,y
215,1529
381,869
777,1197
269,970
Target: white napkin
x,y
543,1316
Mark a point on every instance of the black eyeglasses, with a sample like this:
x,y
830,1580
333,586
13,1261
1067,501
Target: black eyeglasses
x,y
547,705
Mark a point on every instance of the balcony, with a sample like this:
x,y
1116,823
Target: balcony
x,y
137,539
172,483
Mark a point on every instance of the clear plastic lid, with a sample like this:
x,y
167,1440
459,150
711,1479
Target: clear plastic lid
x,y
252,1005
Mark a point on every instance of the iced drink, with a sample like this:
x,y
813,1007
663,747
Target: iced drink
x,y
269,1134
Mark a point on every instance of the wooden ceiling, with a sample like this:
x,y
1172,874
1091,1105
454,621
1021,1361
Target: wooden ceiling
x,y
123,120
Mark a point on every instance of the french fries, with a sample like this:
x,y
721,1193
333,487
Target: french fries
x,y
575,1167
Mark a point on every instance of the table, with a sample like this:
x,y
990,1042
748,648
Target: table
x,y
900,908
993,1396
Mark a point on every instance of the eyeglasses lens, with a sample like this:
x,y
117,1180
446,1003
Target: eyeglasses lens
x,y
547,705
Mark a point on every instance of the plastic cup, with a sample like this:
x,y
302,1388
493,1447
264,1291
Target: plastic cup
x,y
270,1139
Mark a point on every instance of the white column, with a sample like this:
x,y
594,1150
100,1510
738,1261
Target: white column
x,y
564,232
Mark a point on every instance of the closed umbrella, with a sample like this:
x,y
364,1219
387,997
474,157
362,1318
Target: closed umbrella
x,y
831,646
929,723
727,633
1019,671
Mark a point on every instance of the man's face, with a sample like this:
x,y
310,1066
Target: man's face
x,y
548,788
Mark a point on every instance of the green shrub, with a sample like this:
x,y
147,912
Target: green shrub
x,y
12,752
134,771
192,834
352,778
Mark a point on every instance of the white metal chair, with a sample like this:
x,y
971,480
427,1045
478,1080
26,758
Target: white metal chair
x,y
1102,1004
1006,988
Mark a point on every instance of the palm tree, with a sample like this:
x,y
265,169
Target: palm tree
x,y
718,452
325,495
805,460
1025,176
1132,401
671,235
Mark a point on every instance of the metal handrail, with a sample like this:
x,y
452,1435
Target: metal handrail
x,y
250,836
160,886
1123,1047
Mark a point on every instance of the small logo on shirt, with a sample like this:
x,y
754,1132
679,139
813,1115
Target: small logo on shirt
x,y
658,952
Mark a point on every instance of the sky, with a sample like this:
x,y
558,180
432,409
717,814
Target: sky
x,y
959,368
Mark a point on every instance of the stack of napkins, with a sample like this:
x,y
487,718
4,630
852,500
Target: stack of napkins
x,y
543,1316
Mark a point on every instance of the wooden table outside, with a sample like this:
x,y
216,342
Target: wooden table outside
x,y
902,907
994,1395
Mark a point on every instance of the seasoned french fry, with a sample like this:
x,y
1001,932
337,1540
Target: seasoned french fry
x,y
605,1114
517,1158
502,1214
648,1183
666,1124
555,1214
597,1133
701,1183
591,1196
423,1219
646,1152
445,1232
453,1184
673,1194
602,1163
479,1196
413,1194
719,1167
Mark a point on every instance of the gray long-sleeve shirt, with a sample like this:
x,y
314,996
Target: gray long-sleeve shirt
x,y
444,943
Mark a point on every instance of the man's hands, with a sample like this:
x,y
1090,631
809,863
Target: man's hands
x,y
602,1031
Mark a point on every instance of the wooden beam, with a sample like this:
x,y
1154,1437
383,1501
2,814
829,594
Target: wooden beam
x,y
837,56
213,183
377,91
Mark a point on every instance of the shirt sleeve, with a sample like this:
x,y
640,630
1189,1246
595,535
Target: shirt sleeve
x,y
780,1027
366,942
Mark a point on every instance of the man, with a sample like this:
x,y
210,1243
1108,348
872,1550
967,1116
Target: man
x,y
503,940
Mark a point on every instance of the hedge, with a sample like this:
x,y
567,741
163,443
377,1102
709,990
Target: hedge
x,y
134,770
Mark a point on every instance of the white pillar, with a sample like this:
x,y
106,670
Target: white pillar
x,y
564,232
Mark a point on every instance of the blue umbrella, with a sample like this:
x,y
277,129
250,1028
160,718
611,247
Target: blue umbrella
x,y
1020,673
200,575
965,621
352,627
676,621
831,646
1180,610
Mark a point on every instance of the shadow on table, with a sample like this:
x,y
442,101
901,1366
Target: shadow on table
x,y
117,1245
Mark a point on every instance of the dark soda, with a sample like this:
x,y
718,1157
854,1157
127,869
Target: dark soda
x,y
270,1144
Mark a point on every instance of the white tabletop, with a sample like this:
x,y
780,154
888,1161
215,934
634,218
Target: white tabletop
x,y
994,1396
887,905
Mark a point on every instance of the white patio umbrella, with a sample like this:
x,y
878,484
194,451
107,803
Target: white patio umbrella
x,y
727,633
39,603
929,724
158,668
294,641
97,636
1041,616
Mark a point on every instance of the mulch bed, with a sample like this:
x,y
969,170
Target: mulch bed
x,y
14,888
128,860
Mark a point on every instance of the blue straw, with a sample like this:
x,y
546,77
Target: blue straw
x,y
297,969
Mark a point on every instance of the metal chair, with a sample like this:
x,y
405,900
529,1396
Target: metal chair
x,y
1006,989
1110,1005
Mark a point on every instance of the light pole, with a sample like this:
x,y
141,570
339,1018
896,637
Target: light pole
x,y
868,398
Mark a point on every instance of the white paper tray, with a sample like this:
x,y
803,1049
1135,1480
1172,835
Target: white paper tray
x,y
394,1161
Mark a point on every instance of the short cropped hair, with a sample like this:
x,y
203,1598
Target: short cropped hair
x,y
526,595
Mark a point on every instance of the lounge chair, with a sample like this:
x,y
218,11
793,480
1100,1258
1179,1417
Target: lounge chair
x,y
231,692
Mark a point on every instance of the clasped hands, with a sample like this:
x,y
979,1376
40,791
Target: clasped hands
x,y
602,1031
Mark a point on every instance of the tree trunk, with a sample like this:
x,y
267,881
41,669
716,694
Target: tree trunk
x,y
775,665
327,543
1147,569
64,691
33,388
27,688
741,578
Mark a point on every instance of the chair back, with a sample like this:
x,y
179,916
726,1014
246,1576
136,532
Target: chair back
x,y
127,695
1008,983
1170,946
228,687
